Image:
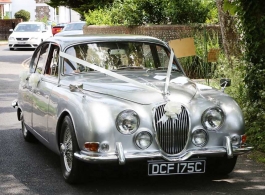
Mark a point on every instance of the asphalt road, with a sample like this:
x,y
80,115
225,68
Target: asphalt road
x,y
33,169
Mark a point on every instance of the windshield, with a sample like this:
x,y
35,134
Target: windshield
x,y
118,56
28,28
74,26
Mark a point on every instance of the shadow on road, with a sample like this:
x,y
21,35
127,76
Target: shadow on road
x,y
33,169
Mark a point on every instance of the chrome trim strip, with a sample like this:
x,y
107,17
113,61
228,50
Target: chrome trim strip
x,y
113,157
120,152
228,145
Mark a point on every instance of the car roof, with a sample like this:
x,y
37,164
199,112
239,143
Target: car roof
x,y
31,22
68,40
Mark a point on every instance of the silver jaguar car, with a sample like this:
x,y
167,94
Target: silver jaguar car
x,y
121,98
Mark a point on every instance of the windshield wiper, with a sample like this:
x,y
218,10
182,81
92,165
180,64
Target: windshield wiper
x,y
130,68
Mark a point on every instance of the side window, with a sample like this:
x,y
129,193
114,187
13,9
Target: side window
x,y
34,60
163,56
42,58
149,60
52,61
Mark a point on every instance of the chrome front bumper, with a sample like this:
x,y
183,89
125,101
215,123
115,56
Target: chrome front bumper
x,y
121,156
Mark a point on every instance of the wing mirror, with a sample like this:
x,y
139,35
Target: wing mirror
x,y
225,83
11,30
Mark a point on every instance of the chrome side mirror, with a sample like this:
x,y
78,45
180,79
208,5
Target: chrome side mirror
x,y
225,83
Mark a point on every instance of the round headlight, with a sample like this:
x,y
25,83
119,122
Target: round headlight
x,y
143,139
199,137
213,118
127,122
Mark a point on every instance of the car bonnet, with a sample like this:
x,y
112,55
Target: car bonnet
x,y
181,89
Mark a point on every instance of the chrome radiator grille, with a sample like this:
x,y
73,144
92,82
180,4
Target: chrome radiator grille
x,y
172,133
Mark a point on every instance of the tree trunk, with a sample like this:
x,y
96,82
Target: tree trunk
x,y
229,33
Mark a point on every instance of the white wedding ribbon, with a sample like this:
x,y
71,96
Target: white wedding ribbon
x,y
169,71
107,72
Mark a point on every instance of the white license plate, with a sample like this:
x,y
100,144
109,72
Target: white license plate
x,y
21,42
171,168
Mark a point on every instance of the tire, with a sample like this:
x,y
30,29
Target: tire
x,y
71,167
221,166
28,136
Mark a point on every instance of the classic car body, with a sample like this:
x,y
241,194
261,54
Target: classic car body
x,y
127,98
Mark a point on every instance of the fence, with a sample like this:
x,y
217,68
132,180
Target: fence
x,y
163,32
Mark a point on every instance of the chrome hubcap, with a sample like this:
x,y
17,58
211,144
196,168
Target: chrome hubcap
x,y
66,150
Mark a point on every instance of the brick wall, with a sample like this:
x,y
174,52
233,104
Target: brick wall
x,y
5,25
164,32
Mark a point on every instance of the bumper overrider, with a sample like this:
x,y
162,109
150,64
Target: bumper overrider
x,y
227,150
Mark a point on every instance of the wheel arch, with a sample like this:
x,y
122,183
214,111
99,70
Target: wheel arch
x,y
59,126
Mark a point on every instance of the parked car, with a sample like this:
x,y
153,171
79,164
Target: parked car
x,y
58,28
122,98
74,28
28,35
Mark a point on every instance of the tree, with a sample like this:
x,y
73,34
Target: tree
x,y
186,11
80,6
250,17
25,15
228,28
135,12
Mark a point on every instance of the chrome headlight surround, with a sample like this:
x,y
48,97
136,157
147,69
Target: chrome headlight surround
x,y
213,118
200,137
127,122
143,139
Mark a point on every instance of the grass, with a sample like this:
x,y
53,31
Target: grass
x,y
257,156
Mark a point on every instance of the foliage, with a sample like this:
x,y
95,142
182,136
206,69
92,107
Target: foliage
x,y
135,12
257,156
81,6
251,26
6,16
186,11
197,66
44,19
99,17
212,16
25,15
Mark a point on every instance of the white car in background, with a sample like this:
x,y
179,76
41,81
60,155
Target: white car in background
x,y
74,28
28,35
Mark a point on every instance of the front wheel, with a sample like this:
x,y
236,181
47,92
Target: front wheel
x,y
71,167
221,166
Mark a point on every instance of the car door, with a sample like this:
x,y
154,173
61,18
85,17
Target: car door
x,y
25,92
40,95
49,88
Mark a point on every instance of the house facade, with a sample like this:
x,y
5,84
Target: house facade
x,y
4,5
39,9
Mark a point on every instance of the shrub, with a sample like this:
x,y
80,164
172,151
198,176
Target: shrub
x,y
25,15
